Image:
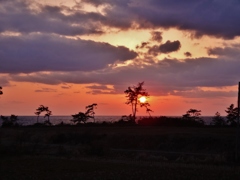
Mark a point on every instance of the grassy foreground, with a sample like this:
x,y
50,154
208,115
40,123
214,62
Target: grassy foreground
x,y
117,153
24,168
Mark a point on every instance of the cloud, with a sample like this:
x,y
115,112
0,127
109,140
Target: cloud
x,y
153,50
214,18
165,77
157,36
46,90
143,45
100,89
4,80
226,52
169,46
32,53
28,17
66,87
188,54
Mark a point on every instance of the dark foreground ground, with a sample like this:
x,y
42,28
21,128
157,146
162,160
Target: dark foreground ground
x,y
118,153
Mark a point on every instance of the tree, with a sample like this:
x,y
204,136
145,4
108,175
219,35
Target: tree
x,y
193,115
9,121
1,90
48,114
133,94
79,117
232,115
90,111
218,120
83,117
41,109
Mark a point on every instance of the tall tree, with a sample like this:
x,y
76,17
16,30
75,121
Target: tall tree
x,y
232,115
133,94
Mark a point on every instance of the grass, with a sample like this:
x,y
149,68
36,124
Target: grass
x,y
117,153
62,168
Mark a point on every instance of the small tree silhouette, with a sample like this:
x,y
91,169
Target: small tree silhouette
x,y
41,109
232,115
9,121
1,90
193,115
217,120
48,114
133,94
83,117
90,111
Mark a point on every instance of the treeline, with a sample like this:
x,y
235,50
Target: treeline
x,y
134,95
192,118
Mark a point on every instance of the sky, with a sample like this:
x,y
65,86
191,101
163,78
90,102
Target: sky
x,y
69,54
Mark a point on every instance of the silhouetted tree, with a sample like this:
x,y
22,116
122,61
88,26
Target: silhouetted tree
x,y
48,114
9,121
232,115
1,90
133,94
83,117
90,111
80,117
41,109
218,120
193,115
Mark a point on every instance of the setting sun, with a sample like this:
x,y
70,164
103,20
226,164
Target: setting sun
x,y
142,99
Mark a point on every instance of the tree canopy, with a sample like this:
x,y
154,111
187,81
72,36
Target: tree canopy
x,y
133,94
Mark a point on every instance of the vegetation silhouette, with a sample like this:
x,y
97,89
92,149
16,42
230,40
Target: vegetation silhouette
x,y
41,109
83,117
232,115
10,121
218,120
133,94
193,115
1,90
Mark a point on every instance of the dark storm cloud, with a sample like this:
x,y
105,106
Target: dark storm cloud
x,y
169,46
17,16
52,53
216,18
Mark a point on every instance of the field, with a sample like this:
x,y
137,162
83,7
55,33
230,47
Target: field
x,y
118,152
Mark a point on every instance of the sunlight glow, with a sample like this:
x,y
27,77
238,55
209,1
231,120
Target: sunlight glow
x,y
142,99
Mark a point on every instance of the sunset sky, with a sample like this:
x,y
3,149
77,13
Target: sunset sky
x,y
67,54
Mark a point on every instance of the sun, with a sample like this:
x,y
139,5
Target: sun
x,y
143,99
